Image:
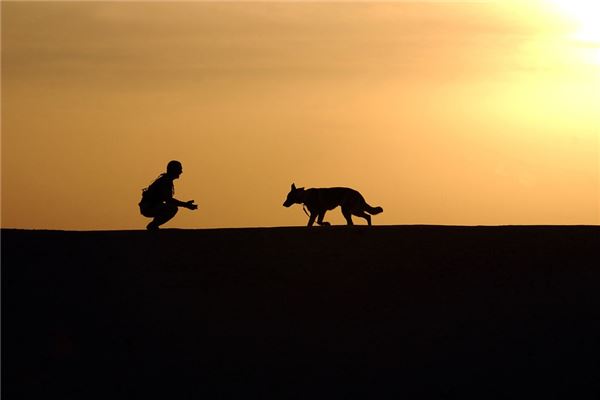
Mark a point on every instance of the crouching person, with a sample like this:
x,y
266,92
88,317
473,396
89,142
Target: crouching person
x,y
158,201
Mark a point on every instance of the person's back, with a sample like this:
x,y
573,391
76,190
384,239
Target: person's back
x,y
159,192
158,201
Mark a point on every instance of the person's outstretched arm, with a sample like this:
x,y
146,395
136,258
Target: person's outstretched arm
x,y
186,204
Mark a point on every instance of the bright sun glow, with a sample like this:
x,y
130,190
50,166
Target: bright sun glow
x,y
585,17
585,14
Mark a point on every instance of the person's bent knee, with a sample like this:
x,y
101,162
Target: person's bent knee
x,y
171,210
146,211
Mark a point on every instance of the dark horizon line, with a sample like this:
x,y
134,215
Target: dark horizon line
x,y
303,227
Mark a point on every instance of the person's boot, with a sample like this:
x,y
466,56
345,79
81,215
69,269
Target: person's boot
x,y
152,226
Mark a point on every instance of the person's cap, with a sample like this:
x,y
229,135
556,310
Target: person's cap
x,y
174,165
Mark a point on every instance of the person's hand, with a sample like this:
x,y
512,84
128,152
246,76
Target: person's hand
x,y
191,205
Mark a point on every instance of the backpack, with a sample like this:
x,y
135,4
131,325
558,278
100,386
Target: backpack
x,y
150,194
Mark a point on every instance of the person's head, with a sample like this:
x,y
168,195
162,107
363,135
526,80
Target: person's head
x,y
174,169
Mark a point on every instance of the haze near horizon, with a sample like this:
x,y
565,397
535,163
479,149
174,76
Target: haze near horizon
x,y
440,112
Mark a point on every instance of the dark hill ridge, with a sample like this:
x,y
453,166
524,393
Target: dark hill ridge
x,y
496,312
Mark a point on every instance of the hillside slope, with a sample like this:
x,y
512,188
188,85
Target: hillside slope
x,y
496,312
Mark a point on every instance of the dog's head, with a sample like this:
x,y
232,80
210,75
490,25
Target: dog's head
x,y
295,196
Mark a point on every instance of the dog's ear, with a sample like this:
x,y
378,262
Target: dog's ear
x,y
293,187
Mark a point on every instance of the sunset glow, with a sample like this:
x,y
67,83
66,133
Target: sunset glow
x,y
459,113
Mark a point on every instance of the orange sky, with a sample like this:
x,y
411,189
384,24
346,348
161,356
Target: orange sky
x,y
440,112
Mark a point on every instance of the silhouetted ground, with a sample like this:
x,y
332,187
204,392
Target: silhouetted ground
x,y
380,312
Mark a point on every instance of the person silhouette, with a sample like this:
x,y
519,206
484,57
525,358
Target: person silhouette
x,y
158,201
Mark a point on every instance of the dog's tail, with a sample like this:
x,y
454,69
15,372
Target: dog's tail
x,y
373,210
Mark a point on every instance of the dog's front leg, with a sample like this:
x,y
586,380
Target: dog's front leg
x,y
320,219
311,218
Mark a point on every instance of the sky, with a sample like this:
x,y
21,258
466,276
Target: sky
x,y
453,113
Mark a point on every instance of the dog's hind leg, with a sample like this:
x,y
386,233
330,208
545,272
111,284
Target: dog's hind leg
x,y
364,215
348,215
